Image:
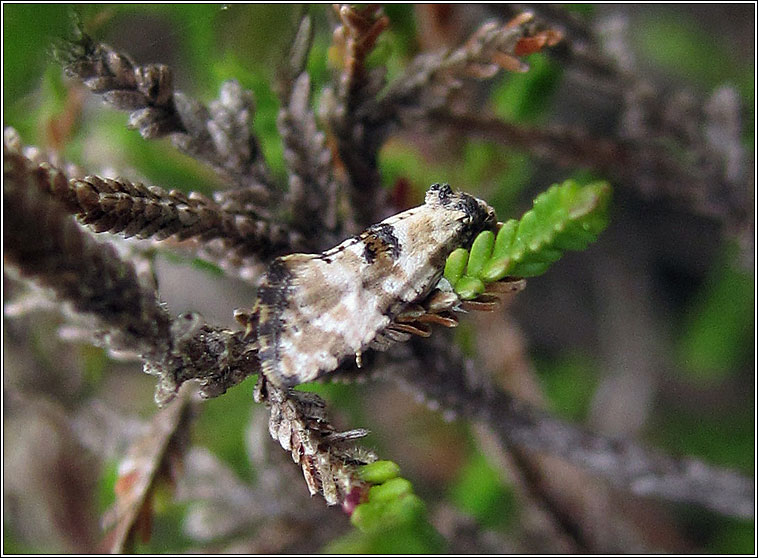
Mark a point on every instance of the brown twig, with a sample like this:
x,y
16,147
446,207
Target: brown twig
x,y
45,244
153,458
641,164
354,39
313,188
441,375
241,233
215,357
362,118
218,135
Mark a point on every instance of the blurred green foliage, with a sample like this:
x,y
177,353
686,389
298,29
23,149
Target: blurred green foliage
x,y
726,437
731,536
13,544
28,30
106,493
391,520
402,28
222,423
479,491
718,333
581,10
408,538
525,98
95,365
569,382
167,530
680,46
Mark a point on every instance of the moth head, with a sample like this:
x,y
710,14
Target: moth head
x,y
476,214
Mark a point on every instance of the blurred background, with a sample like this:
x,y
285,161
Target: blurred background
x,y
649,334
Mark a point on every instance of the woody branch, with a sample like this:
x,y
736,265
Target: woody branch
x,y
436,371
43,243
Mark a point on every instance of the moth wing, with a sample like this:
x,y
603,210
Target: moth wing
x,y
311,315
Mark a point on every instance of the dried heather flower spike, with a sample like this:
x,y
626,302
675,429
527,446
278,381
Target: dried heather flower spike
x,y
224,230
312,187
312,196
356,37
431,78
315,310
46,245
218,135
343,106
328,460
114,206
297,57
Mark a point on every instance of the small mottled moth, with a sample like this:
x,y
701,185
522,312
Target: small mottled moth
x,y
313,311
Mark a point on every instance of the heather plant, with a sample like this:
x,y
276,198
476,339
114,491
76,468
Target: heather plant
x,y
327,121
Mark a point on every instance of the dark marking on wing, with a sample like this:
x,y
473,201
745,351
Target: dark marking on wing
x,y
380,239
443,192
477,215
272,296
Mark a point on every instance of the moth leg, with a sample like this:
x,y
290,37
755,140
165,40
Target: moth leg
x,y
248,319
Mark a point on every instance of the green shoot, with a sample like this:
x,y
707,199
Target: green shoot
x,y
565,217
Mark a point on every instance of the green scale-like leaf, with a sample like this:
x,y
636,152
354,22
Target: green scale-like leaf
x,y
390,501
565,217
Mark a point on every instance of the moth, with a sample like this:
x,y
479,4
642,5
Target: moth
x,y
313,311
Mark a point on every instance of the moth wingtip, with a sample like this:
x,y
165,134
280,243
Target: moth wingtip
x,y
278,379
272,369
